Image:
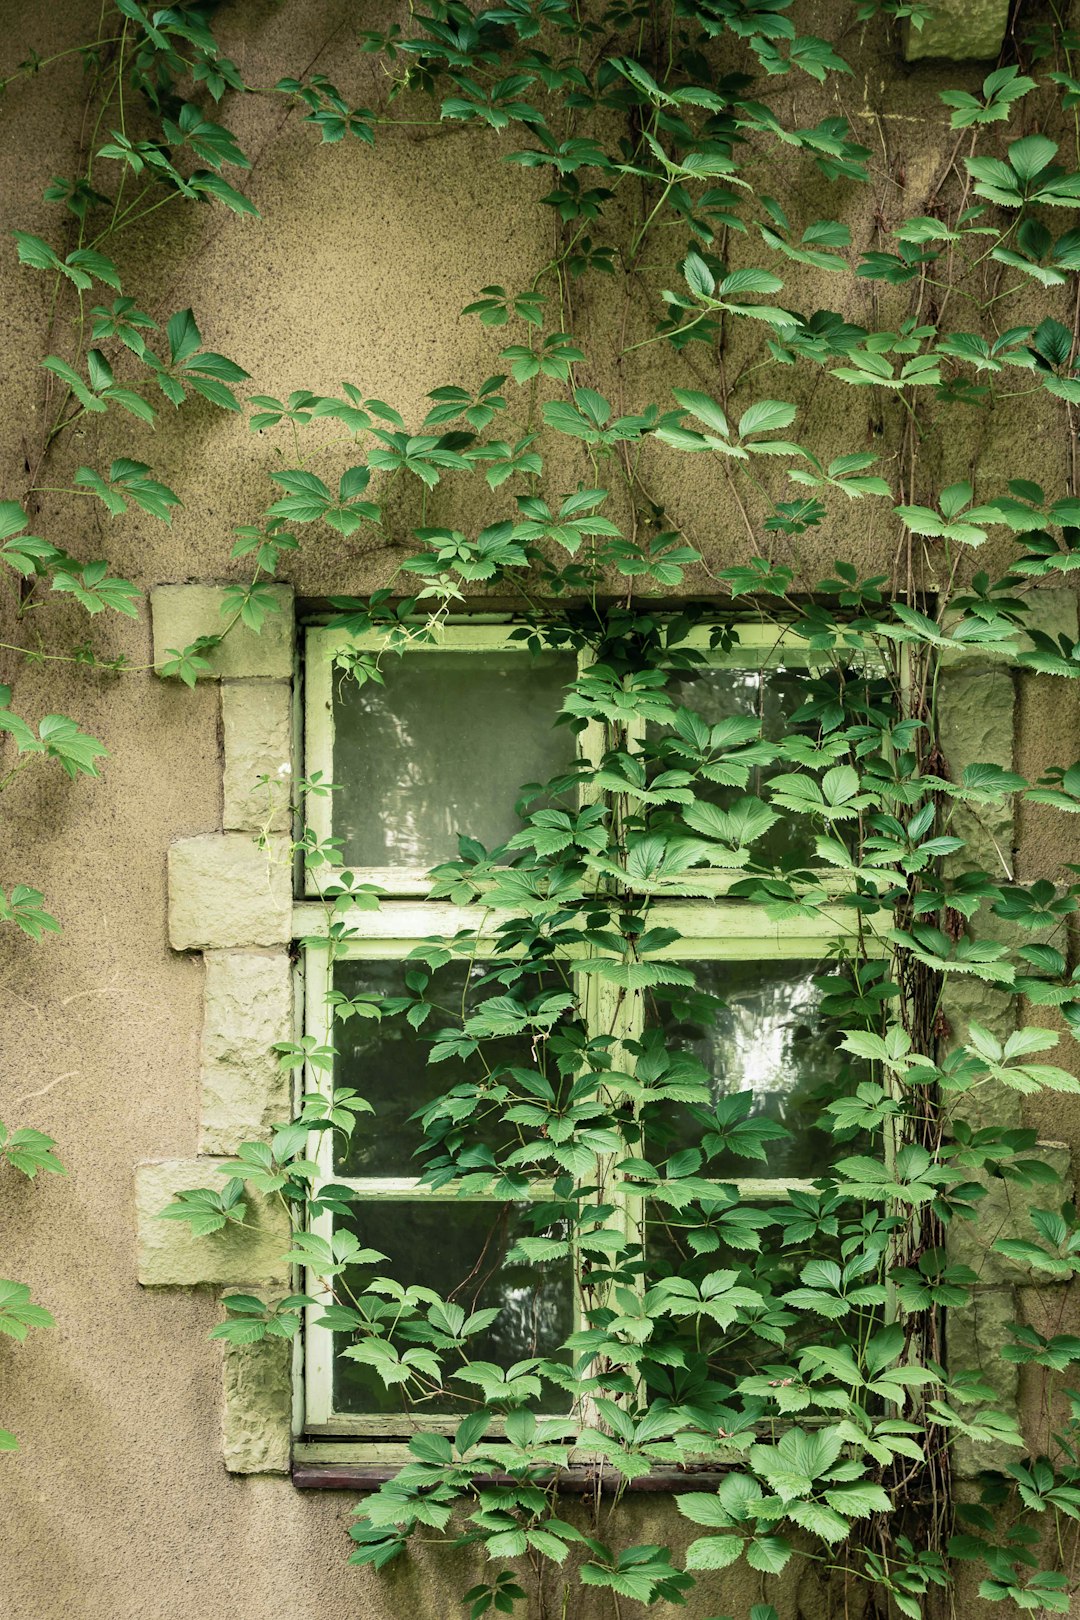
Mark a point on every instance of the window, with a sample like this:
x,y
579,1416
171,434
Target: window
x,y
440,750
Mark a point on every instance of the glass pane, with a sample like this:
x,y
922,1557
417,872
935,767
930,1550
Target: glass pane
x,y
772,697
387,1063
442,749
459,1249
737,1350
765,1038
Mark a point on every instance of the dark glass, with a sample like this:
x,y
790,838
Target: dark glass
x,y
771,696
387,1063
738,1351
443,749
766,1038
458,1248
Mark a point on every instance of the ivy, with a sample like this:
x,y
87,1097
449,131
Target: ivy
x,y
794,1349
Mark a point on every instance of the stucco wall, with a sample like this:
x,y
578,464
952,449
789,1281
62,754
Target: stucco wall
x,y
118,1506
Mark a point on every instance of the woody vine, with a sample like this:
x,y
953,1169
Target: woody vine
x,y
793,1350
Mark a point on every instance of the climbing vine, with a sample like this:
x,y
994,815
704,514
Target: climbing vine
x,y
785,1358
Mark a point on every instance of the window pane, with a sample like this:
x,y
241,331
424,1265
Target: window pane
x,y
766,1038
772,697
459,1249
387,1063
735,1351
442,749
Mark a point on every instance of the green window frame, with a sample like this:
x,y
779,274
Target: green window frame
x,y
712,928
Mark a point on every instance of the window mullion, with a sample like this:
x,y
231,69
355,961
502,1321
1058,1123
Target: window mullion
x,y
610,1011
591,742
318,1341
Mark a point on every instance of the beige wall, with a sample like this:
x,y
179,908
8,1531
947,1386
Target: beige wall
x,y
118,1507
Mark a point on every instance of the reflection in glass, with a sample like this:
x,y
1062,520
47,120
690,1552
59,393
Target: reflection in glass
x,y
443,749
387,1063
458,1248
767,1039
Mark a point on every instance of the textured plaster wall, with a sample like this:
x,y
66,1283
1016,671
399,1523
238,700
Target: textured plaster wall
x,y
118,1507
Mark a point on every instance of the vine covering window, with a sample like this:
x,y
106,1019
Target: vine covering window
x,y
713,1057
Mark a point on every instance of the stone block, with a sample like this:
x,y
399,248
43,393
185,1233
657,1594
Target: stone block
x,y
248,1005
1051,609
224,891
966,999
974,1335
1054,611
167,1254
976,713
257,724
963,30
182,613
1003,1213
976,719
256,1428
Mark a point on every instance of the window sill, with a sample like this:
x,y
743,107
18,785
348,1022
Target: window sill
x,y
585,1481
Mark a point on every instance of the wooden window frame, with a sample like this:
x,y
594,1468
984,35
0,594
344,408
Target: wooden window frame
x,y
475,635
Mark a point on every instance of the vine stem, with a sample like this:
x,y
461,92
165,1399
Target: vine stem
x,y
28,69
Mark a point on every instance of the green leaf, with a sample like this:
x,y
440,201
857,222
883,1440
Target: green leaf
x,y
96,265
704,1508
76,751
29,1150
1029,156
698,275
765,417
12,519
704,409
770,1554
183,335
712,1552
18,1314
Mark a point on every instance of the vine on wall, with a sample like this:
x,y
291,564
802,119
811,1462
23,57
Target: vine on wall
x,y
796,1347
